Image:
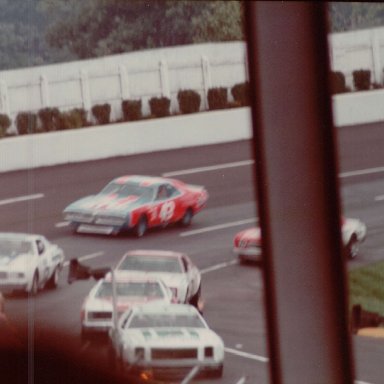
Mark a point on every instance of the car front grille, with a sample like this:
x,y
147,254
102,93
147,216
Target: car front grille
x,y
167,353
79,217
99,315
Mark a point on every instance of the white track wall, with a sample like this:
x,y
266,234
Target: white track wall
x,y
44,149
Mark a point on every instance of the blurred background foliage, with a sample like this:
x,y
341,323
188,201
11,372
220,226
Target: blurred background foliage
x,y
37,32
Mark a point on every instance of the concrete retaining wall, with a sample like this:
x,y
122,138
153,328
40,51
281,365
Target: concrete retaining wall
x,y
44,149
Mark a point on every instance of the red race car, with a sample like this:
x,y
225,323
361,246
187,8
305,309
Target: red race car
x,y
247,243
136,203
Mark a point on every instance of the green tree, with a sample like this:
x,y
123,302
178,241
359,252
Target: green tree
x,y
100,27
346,16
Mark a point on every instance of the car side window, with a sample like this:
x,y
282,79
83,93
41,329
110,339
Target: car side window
x,y
162,193
40,246
185,263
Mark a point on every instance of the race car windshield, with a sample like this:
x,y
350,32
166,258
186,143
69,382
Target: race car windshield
x,y
151,264
160,320
13,248
128,189
130,289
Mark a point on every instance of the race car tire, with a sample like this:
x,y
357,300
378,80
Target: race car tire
x,y
54,279
85,335
141,227
35,285
186,220
242,259
194,300
352,247
217,373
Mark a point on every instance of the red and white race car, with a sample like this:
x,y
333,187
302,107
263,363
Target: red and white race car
x,y
136,203
247,243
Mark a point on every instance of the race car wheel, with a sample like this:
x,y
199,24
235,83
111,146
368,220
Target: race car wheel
x,y
353,247
187,218
141,227
54,280
35,285
217,373
85,335
194,300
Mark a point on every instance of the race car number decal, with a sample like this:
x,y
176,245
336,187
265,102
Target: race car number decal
x,y
167,210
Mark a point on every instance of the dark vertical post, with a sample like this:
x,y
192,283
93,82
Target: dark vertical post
x,y
298,198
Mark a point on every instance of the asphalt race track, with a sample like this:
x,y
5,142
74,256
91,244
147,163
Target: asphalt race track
x,y
233,294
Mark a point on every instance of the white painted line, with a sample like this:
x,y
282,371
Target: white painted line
x,y
379,198
247,355
217,227
242,380
361,382
218,266
62,224
22,198
361,172
208,168
86,257
250,162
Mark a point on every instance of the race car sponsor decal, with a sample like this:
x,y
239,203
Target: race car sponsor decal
x,y
167,210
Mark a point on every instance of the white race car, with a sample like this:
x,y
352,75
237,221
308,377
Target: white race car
x,y
247,244
165,342
97,309
174,268
28,262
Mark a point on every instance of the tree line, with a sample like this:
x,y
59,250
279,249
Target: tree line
x,y
37,32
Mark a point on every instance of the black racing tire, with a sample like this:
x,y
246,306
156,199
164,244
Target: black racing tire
x,y
217,373
242,259
85,335
194,300
186,220
35,285
141,227
53,282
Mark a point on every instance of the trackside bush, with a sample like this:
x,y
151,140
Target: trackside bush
x,y
362,79
5,123
26,122
189,101
240,93
49,118
102,113
338,84
131,110
217,98
159,106
74,118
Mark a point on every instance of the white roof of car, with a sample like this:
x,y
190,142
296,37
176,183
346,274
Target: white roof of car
x,y
153,252
18,236
165,308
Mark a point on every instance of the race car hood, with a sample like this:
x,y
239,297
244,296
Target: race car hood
x,y
169,279
171,337
95,304
105,203
19,262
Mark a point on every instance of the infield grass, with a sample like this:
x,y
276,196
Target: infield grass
x,y
366,287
